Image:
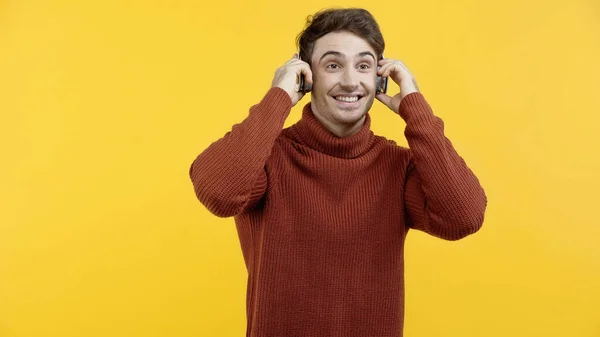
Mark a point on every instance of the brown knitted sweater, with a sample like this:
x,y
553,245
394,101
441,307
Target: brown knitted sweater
x,y
322,220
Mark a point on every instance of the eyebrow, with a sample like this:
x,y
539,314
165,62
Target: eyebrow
x,y
337,53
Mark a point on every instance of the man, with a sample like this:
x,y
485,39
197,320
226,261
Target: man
x,y
322,208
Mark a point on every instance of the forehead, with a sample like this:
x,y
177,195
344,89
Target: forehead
x,y
346,43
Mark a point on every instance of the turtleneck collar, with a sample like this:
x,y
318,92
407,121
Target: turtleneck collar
x,y
311,132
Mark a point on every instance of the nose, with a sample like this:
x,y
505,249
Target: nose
x,y
349,78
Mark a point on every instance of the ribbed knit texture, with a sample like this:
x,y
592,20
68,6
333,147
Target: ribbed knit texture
x,y
322,220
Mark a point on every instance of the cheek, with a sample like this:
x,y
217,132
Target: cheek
x,y
323,85
327,81
369,81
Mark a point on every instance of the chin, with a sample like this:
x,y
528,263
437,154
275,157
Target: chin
x,y
346,114
349,117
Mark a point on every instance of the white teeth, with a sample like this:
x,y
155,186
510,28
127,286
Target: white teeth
x,y
347,99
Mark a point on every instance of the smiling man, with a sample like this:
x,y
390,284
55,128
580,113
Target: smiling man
x,y
323,207
342,98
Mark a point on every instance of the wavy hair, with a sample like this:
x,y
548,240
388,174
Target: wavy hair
x,y
355,20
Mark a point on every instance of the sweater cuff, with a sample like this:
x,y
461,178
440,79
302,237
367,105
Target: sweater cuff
x,y
277,99
412,105
274,107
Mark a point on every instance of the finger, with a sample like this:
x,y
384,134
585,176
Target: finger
x,y
405,68
398,71
386,69
295,57
304,69
296,62
385,61
399,65
381,69
385,99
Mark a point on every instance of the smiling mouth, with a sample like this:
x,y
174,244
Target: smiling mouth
x,y
347,99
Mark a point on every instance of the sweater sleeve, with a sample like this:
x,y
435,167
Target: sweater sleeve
x,y
229,176
443,197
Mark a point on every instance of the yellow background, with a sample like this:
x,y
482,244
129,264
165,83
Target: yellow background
x,y
104,105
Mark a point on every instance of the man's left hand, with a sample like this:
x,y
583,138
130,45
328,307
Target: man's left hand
x,y
399,73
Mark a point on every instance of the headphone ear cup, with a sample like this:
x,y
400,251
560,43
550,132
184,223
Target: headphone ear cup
x,y
303,86
381,85
381,82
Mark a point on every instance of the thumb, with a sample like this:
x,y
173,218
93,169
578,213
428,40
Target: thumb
x,y
385,99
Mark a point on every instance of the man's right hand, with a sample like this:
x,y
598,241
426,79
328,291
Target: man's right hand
x,y
286,78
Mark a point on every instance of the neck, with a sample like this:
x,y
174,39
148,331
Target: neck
x,y
336,142
340,130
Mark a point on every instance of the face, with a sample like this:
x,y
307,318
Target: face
x,y
344,70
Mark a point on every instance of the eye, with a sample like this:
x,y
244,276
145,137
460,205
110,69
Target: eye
x,y
332,66
364,66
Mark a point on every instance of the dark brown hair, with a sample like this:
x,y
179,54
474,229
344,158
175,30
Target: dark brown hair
x,y
355,20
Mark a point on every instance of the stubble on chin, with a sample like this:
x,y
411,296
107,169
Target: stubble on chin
x,y
324,110
349,121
